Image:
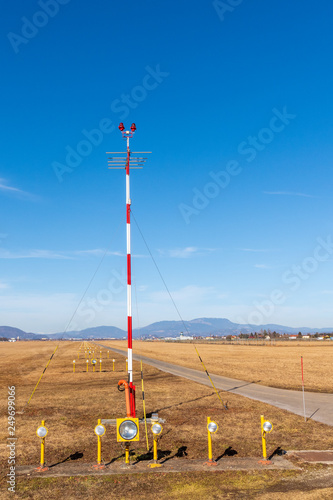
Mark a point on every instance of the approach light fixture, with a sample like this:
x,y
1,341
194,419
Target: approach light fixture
x,y
156,429
127,429
121,127
212,427
267,426
41,431
99,430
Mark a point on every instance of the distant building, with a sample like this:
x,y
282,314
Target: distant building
x,y
184,337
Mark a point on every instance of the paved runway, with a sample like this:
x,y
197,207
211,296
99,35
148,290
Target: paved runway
x,y
319,406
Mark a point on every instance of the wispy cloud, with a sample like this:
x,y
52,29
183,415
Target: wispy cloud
x,y
257,250
185,253
190,292
98,252
288,193
56,255
7,189
3,286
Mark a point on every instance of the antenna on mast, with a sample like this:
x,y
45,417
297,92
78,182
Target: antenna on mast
x,y
127,161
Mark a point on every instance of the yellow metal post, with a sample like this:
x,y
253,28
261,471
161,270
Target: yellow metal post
x,y
99,446
210,451
144,407
155,449
73,365
108,354
155,455
100,365
113,363
42,448
127,455
87,365
93,367
126,365
263,439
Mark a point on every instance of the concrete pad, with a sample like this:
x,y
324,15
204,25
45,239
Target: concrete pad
x,y
314,456
169,466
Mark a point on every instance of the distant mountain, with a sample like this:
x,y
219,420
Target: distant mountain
x,y
9,332
196,327
199,326
216,326
97,332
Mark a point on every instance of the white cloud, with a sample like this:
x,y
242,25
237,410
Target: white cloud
x,y
5,188
54,254
184,253
288,193
191,293
256,250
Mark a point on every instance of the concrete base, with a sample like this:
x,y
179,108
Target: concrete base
x,y
169,466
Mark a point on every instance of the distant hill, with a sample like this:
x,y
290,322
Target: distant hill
x,y
9,332
196,327
96,332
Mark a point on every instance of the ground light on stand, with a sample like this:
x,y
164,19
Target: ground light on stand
x,y
156,429
93,362
212,428
266,428
42,433
127,431
126,160
113,363
73,365
87,365
100,365
99,431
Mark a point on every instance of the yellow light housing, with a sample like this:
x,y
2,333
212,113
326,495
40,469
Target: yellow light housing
x,y
127,429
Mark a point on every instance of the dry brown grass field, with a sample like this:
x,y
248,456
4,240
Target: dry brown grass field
x,y
275,365
71,403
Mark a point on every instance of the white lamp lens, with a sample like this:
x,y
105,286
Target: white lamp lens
x,y
212,427
267,426
128,429
156,429
41,431
99,430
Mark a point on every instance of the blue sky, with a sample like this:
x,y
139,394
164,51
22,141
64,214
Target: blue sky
x,y
235,103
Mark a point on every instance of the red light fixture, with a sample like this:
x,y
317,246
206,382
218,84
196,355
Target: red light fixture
x,y
121,127
133,127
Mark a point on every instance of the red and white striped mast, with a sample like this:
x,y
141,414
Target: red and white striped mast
x,y
127,161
